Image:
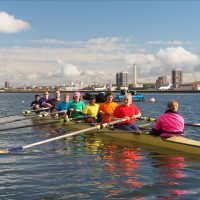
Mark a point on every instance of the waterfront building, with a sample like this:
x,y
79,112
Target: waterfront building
x,y
162,80
7,85
190,86
177,77
122,79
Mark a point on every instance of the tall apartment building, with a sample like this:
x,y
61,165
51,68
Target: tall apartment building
x,y
7,84
177,77
122,79
162,80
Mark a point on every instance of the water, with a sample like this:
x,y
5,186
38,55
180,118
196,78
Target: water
x,y
95,167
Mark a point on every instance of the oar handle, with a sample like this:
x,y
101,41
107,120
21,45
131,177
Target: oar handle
x,y
148,119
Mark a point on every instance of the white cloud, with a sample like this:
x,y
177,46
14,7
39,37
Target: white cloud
x,y
161,42
9,24
162,62
95,60
52,41
68,70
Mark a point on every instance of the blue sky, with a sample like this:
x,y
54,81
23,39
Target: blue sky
x,y
64,41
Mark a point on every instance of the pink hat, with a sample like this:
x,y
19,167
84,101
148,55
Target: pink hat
x,y
77,94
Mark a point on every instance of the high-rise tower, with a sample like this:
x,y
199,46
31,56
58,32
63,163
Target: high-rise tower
x,y
135,74
177,77
122,79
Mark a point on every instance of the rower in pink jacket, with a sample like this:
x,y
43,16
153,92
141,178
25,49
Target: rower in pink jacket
x,y
170,123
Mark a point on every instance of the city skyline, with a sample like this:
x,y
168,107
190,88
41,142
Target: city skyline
x,y
48,42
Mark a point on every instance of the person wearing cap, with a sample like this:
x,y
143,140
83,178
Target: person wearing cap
x,y
91,110
170,123
107,108
36,103
76,106
129,111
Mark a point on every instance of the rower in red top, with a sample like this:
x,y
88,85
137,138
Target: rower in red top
x,y
170,123
129,111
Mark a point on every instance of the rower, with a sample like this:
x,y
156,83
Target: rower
x,y
35,105
64,105
170,123
44,99
91,110
76,106
53,102
129,111
107,108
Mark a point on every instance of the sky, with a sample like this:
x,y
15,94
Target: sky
x,y
53,42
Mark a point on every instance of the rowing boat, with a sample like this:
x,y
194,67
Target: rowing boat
x,y
178,143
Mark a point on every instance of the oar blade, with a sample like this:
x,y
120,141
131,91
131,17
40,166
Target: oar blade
x,y
12,150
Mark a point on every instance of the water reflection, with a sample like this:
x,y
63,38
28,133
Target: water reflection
x,y
121,162
171,170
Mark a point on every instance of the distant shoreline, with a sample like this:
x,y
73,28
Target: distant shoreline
x,y
117,91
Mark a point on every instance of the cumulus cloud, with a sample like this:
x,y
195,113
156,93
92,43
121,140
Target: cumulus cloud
x,y
162,62
9,24
65,71
98,59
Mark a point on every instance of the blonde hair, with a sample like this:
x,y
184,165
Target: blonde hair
x,y
173,105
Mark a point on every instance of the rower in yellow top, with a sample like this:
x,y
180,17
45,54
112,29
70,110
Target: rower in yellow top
x,y
91,110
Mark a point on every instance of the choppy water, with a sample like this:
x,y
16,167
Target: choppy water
x,y
95,167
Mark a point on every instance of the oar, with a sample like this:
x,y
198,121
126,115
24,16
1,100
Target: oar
x,y
33,111
97,127
32,117
193,124
31,125
45,123
25,112
151,119
16,120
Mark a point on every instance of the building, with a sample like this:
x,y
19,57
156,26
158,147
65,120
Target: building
x,y
122,79
162,80
177,77
190,86
196,85
7,85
